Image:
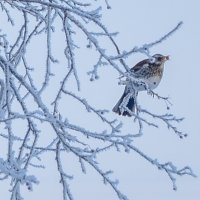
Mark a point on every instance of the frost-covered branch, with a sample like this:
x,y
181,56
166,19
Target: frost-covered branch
x,y
24,95
146,47
66,191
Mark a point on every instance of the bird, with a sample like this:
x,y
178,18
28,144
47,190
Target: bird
x,y
149,72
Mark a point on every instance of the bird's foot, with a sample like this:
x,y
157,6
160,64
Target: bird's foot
x,y
150,92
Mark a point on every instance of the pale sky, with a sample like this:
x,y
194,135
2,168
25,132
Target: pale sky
x,y
139,22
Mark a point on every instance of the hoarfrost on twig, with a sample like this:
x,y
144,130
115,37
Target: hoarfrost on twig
x,y
18,86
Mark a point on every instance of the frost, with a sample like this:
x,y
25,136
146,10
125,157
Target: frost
x,y
24,100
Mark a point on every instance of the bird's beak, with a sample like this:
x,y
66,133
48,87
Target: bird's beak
x,y
166,58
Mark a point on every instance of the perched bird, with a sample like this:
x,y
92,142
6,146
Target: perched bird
x,y
149,73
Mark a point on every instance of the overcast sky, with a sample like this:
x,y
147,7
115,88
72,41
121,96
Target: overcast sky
x,y
139,22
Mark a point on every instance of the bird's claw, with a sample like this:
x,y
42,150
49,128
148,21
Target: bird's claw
x,y
150,92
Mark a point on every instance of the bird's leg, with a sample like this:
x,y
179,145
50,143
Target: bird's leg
x,y
150,92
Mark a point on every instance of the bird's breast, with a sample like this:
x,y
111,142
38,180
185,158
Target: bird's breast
x,y
151,79
153,82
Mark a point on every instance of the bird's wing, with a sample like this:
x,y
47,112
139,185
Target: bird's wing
x,y
142,64
141,68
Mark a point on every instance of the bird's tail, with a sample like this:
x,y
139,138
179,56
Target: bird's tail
x,y
130,105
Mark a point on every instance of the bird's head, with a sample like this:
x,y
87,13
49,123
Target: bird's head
x,y
160,58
